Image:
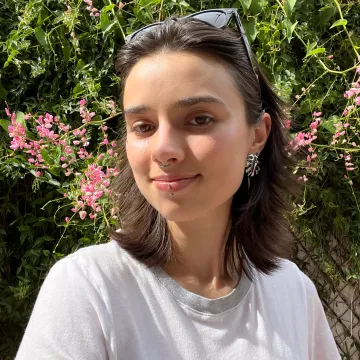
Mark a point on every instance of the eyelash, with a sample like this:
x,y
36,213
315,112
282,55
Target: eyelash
x,y
209,123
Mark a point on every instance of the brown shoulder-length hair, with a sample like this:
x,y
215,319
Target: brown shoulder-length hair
x,y
258,234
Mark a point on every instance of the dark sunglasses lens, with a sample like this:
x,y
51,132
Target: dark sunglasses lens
x,y
215,18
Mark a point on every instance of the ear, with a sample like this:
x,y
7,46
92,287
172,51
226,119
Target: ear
x,y
260,134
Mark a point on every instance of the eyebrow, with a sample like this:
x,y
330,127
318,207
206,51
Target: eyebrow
x,y
183,103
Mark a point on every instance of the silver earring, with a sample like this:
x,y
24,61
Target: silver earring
x,y
252,167
163,166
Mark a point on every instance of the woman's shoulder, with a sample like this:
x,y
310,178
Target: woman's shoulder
x,y
97,263
288,278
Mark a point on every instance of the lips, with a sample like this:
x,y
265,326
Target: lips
x,y
172,183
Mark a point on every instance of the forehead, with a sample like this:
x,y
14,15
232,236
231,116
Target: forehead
x,y
164,78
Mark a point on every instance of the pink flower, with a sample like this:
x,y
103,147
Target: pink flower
x,y
350,169
111,104
82,214
92,216
303,89
330,57
314,125
7,111
105,142
317,114
308,159
76,142
345,112
67,219
297,97
313,156
82,102
38,173
358,69
19,142
121,5
31,160
287,125
357,101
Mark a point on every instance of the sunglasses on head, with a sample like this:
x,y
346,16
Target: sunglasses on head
x,y
219,18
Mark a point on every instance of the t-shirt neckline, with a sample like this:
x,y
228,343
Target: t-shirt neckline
x,y
198,302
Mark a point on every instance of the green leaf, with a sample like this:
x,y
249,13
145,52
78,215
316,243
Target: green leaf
x,y
20,118
104,20
5,124
66,48
326,15
289,6
46,156
107,8
109,27
340,22
315,51
245,4
54,170
80,64
329,123
77,89
54,182
289,29
184,3
41,37
250,29
258,5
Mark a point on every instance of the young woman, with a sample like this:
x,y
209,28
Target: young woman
x,y
198,269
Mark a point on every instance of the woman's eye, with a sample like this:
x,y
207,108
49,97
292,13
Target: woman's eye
x,y
142,128
201,120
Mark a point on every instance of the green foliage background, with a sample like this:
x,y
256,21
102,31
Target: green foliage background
x,y
52,54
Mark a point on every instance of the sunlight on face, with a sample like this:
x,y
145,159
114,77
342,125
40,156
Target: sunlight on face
x,y
183,108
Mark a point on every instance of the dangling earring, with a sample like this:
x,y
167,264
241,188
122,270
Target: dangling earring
x,y
252,167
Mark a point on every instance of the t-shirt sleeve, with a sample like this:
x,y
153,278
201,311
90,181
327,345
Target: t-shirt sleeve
x,y
321,340
68,320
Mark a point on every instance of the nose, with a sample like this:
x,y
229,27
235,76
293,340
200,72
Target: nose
x,y
168,144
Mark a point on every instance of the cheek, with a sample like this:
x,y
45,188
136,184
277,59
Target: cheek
x,y
226,150
138,156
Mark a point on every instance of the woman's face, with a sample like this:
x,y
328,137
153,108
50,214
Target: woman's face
x,y
182,108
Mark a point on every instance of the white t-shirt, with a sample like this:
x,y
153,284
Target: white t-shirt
x,y
101,303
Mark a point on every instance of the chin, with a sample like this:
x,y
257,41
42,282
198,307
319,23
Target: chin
x,y
177,211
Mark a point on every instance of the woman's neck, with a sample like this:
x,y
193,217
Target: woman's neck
x,y
198,259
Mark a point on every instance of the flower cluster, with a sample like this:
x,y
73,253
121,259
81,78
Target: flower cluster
x,y
304,139
56,149
353,93
93,10
93,186
17,133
